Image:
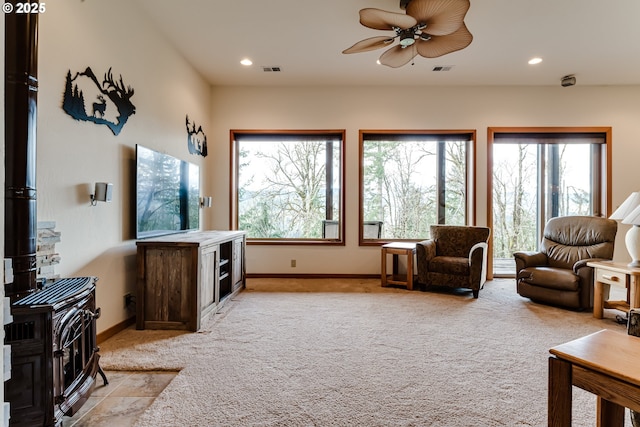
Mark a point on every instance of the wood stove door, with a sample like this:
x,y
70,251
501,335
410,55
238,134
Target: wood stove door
x,y
75,357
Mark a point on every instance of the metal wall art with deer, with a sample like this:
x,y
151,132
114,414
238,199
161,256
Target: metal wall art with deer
x,y
196,139
111,104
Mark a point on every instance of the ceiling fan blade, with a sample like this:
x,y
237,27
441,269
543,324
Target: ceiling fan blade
x,y
397,56
441,16
379,19
372,43
441,45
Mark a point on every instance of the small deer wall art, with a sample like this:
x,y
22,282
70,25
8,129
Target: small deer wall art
x,y
196,139
109,95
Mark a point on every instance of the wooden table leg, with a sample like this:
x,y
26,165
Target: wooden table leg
x,y
598,298
383,267
634,292
609,414
410,270
560,393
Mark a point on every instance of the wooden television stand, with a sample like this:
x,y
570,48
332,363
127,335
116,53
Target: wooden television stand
x,y
182,278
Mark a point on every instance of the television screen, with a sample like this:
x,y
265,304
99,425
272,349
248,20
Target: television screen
x,y
167,194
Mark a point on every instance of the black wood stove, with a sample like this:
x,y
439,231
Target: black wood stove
x,y
54,356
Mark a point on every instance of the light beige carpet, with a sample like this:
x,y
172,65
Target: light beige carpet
x,y
349,353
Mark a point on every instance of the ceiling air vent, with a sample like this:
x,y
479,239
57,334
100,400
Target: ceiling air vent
x,y
271,69
442,68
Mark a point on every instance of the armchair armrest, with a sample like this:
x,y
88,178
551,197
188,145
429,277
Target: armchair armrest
x,y
426,249
478,261
530,259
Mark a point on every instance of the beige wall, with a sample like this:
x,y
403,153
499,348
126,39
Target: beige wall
x,y
430,108
73,155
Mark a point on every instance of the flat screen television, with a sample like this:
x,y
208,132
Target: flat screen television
x,y
167,194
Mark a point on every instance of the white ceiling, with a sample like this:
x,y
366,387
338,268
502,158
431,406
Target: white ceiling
x,y
597,40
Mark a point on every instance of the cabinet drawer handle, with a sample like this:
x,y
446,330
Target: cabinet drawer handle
x,y
612,278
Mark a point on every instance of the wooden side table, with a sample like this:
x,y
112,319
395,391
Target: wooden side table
x,y
607,273
605,364
395,249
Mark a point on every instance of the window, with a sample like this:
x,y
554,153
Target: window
x,y
288,186
410,180
539,175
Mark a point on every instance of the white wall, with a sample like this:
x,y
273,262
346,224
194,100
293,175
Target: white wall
x,y
432,108
73,155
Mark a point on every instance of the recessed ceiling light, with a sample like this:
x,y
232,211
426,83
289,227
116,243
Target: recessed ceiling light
x,y
534,61
246,62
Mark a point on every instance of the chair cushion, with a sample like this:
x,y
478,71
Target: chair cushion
x,y
550,277
458,266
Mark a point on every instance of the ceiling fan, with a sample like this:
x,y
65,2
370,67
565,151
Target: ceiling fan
x,y
430,28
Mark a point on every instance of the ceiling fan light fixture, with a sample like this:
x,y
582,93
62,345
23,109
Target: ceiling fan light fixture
x,y
407,37
407,41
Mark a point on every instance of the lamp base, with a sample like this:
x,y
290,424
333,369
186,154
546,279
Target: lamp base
x,y
632,240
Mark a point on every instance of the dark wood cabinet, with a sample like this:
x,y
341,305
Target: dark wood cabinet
x,y
183,278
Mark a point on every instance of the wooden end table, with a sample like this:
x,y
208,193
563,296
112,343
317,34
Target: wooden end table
x,y
604,363
395,249
607,273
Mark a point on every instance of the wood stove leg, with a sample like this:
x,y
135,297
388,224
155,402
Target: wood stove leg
x,y
104,377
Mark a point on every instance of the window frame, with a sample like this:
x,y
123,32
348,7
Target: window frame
x,y
602,177
470,177
288,134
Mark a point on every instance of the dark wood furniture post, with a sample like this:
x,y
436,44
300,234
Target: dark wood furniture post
x,y
560,393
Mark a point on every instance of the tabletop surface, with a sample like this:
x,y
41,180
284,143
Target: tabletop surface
x,y
400,245
609,352
620,267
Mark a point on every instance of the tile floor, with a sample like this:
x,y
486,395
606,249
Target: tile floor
x,y
120,402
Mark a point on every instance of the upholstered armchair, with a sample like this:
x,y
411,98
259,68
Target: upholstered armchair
x,y
558,273
454,256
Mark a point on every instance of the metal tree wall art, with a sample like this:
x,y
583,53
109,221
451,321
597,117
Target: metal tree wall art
x,y
196,139
112,106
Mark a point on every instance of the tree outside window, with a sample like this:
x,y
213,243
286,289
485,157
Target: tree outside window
x,y
410,181
288,184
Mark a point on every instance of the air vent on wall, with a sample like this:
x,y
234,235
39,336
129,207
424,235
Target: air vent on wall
x,y
442,68
271,69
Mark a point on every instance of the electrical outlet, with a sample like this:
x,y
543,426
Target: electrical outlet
x,y
128,299
293,263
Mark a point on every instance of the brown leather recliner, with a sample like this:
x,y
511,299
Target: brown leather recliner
x,y
558,274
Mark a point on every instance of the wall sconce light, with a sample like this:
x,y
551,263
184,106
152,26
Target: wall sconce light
x,y
205,202
102,193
